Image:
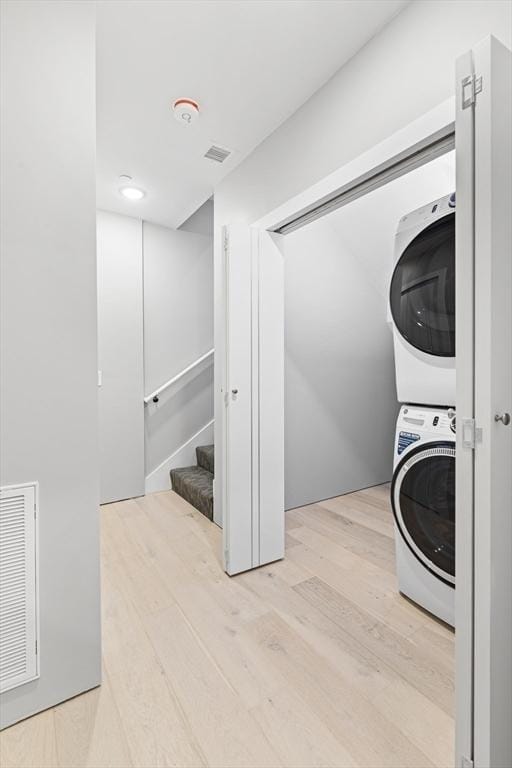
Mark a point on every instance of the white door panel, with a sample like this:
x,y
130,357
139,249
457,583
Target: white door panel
x,y
237,392
253,476
271,398
484,391
493,397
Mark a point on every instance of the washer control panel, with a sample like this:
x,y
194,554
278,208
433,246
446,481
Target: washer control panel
x,y
416,422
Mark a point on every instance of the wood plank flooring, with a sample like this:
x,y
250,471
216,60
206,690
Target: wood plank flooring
x,y
312,661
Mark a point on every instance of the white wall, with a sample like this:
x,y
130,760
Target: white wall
x,y
201,222
49,407
166,297
120,356
399,75
178,328
340,395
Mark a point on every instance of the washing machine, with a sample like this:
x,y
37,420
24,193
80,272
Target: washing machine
x,y
422,304
423,501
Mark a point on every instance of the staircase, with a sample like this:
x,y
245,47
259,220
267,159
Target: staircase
x,y
195,484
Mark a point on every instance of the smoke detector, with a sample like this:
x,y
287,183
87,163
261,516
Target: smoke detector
x,y
186,111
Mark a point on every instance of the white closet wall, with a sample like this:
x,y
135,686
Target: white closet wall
x,y
340,401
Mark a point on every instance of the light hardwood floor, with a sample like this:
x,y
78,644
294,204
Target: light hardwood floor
x,y
312,661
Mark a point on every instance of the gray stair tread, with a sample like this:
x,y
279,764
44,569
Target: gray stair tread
x,y
205,457
195,485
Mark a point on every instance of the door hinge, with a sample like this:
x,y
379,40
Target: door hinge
x,y
466,762
471,434
226,241
471,85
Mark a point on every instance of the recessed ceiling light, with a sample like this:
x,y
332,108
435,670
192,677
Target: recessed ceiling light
x,y
132,193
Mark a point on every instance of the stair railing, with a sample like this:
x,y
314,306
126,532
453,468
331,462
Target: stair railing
x,y
154,396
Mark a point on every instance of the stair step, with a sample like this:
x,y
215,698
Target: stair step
x,y
205,457
195,485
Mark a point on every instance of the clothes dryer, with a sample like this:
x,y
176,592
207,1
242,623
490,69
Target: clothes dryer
x,y
422,304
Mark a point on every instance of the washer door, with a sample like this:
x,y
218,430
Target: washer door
x,y
422,293
423,500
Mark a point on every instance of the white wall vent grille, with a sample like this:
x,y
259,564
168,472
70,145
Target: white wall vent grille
x,y
218,154
18,585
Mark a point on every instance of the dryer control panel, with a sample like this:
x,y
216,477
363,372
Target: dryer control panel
x,y
428,213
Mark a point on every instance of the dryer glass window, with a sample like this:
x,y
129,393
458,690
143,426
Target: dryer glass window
x,y
427,507
422,293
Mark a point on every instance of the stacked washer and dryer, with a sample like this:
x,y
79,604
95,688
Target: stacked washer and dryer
x,y
422,308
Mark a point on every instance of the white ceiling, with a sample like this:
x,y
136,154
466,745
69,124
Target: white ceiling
x,y
249,63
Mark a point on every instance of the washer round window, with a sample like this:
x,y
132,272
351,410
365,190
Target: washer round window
x,y
422,294
423,497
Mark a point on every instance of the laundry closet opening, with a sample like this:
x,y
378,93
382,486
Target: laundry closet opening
x,y
369,388
341,400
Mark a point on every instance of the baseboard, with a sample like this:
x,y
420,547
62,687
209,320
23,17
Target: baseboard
x,y
184,456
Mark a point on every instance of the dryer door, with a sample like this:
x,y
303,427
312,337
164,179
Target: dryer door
x,y
422,293
423,499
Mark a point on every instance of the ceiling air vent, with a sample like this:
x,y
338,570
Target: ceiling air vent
x,y
217,153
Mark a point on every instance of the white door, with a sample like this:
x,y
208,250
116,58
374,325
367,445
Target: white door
x,y
484,405
236,425
120,357
253,459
